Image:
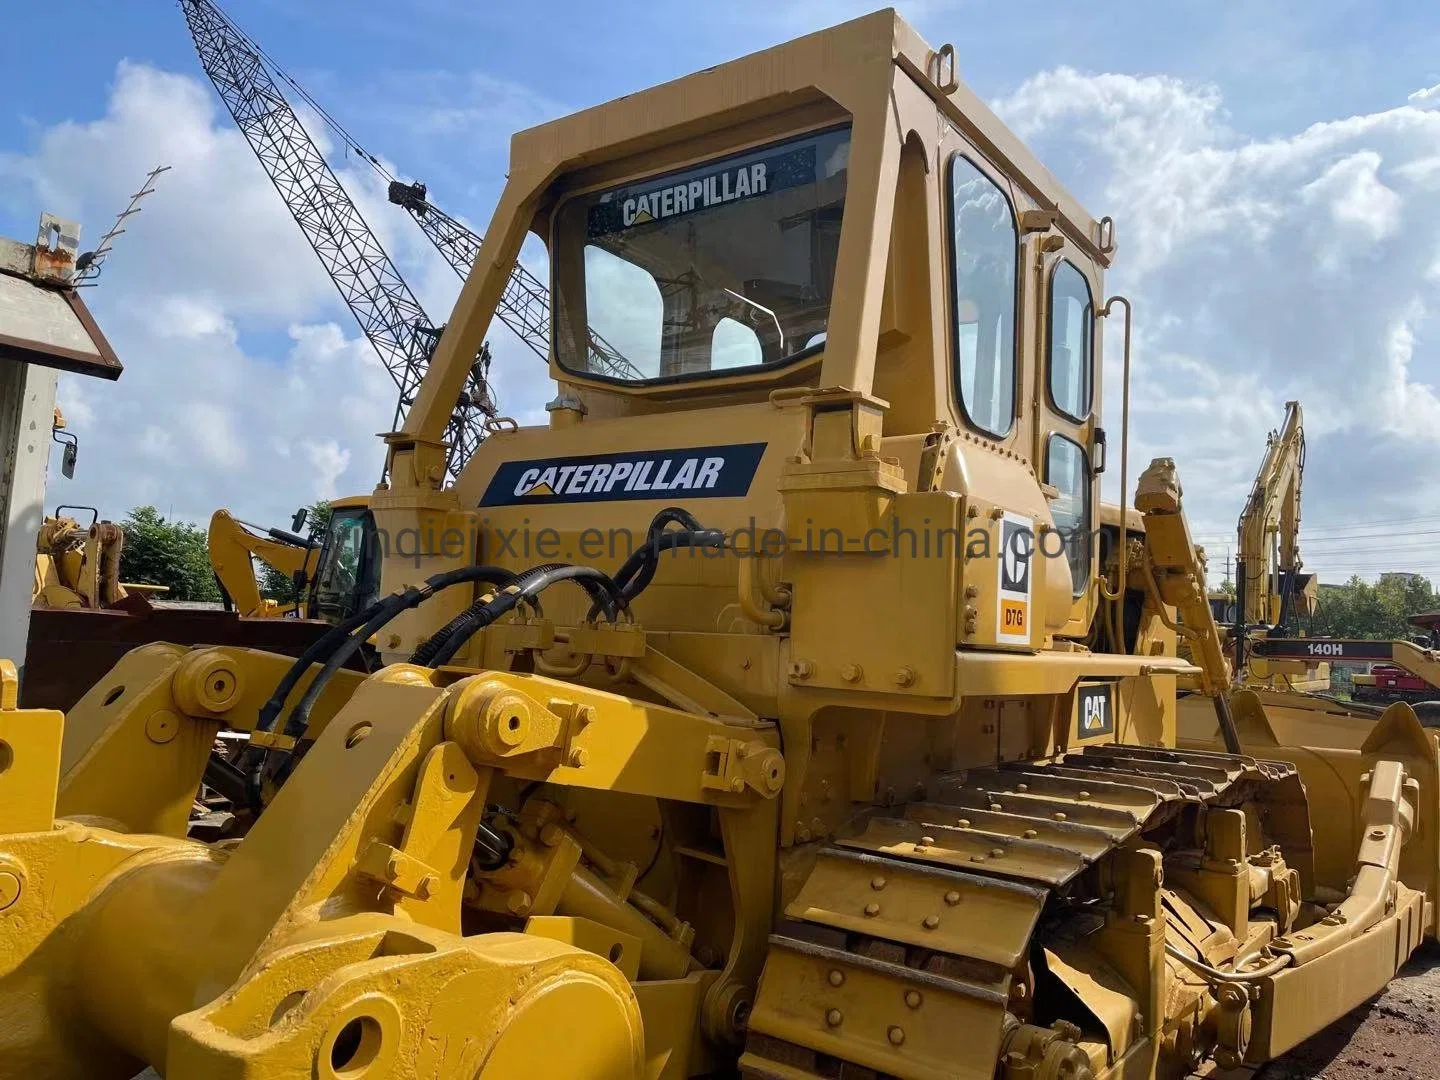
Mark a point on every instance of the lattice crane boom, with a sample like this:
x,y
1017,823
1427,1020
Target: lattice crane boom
x,y
383,304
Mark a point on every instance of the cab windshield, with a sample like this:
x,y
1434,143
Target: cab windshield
x,y
347,579
725,266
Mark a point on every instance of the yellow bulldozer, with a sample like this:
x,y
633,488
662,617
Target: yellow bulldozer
x,y
789,708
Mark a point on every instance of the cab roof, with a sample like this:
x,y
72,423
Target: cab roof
x,y
801,72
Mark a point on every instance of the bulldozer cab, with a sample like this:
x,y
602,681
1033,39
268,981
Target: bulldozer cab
x,y
725,266
791,298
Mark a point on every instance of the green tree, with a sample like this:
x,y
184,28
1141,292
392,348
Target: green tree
x,y
277,586
169,553
1359,609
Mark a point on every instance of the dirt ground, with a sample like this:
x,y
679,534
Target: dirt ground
x,y
1395,1036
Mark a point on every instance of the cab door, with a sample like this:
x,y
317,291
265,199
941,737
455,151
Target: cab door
x,y
1069,443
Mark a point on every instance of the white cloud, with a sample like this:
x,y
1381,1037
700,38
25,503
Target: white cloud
x,y
1428,98
213,432
76,407
246,382
155,442
1362,211
1297,266
329,460
214,225
189,316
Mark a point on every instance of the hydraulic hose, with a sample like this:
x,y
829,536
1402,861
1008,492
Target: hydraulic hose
x,y
336,637
320,647
642,560
1277,965
601,589
426,651
636,573
670,538
299,718
609,596
492,847
444,644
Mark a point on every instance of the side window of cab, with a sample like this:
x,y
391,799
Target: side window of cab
x,y
1070,382
1071,342
984,256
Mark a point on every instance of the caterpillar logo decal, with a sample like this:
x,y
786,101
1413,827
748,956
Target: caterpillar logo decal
x,y
1017,549
735,179
697,472
1094,710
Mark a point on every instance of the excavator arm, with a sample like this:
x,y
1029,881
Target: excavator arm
x,y
232,549
1270,525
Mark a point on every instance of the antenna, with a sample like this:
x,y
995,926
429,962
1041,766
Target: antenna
x,y
88,265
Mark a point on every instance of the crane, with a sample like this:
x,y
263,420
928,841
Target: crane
x,y
384,305
245,76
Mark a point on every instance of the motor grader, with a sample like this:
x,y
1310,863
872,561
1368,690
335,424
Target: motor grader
x,y
791,710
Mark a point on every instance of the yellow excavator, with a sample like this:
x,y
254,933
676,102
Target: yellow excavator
x,y
1290,673
235,544
1271,591
335,571
786,707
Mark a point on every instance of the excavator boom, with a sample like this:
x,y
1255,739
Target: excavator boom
x,y
1268,559
233,550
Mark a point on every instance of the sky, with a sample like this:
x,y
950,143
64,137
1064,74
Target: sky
x,y
1273,168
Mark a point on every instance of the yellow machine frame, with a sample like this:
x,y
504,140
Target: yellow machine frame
x,y
77,567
